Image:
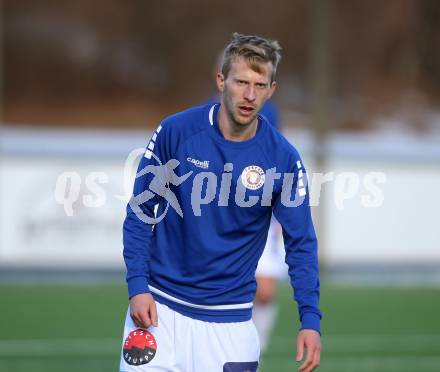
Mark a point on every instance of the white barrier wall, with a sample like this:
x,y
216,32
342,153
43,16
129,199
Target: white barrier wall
x,y
366,220
35,229
404,229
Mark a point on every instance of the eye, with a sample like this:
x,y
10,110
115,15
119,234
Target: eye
x,y
241,82
261,85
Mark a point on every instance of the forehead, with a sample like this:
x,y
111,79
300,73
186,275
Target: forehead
x,y
243,67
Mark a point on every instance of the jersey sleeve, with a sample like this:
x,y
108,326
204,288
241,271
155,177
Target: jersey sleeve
x,y
292,210
140,218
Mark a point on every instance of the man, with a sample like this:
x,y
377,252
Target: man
x,y
198,221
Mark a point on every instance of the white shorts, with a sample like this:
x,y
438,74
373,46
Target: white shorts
x,y
272,262
183,344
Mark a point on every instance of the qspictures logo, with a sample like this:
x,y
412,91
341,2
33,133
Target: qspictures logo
x,y
207,187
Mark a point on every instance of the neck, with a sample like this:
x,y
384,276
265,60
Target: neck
x,y
234,131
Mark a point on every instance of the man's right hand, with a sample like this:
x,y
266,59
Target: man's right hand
x,y
143,310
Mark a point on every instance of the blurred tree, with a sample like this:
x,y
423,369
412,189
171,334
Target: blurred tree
x,y
428,44
112,62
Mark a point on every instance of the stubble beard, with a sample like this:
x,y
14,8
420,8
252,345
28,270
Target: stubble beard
x,y
232,111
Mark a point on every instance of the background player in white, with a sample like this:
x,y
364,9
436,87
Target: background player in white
x,y
270,270
194,278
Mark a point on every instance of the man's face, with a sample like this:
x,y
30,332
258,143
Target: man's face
x,y
245,91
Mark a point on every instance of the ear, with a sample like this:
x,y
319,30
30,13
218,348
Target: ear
x,y
220,80
273,86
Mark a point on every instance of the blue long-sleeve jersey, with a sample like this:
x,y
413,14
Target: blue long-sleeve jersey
x,y
198,220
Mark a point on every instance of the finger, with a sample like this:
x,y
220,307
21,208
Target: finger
x,y
316,359
315,354
153,314
141,319
299,348
308,362
134,319
145,319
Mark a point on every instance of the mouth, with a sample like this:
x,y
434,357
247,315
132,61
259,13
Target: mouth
x,y
246,110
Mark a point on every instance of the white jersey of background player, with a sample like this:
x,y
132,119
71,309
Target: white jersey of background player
x,y
270,270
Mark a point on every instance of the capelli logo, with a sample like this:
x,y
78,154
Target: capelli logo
x,y
201,164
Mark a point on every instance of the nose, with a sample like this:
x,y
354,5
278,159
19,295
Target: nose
x,y
249,93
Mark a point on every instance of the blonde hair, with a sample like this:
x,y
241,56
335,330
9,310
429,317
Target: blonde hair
x,y
254,49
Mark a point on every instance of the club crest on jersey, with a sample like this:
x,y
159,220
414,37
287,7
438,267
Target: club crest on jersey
x,y
139,347
252,177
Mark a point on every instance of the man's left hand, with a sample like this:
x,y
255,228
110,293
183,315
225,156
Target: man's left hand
x,y
311,340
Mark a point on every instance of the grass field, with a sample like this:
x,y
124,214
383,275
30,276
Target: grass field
x,y
78,328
